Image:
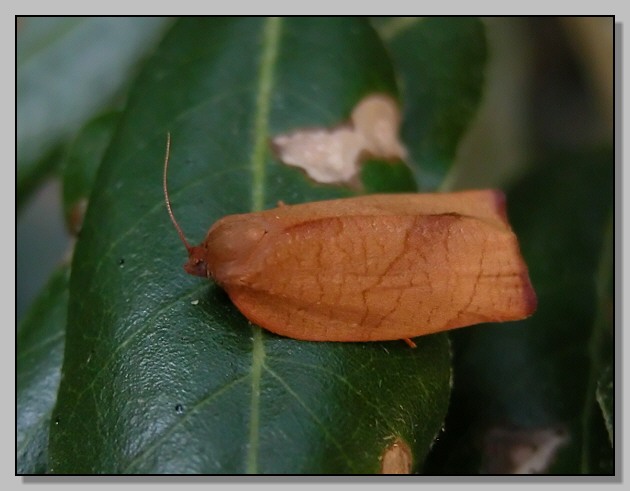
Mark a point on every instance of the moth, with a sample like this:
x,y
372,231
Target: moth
x,y
368,268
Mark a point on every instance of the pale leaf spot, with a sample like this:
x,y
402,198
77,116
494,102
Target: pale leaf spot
x,y
396,458
334,155
327,156
377,118
522,451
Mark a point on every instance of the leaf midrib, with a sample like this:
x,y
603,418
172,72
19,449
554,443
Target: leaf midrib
x,y
270,42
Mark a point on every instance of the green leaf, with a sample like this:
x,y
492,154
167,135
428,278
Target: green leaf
x,y
69,68
81,163
40,339
386,177
162,374
36,174
441,62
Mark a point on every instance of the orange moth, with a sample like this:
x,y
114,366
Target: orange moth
x,y
370,268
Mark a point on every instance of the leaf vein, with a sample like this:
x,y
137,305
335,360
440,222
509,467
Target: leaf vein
x,y
320,423
193,410
271,40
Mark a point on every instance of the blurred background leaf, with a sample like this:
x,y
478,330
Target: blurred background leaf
x,y
69,68
80,166
535,373
40,341
441,63
529,388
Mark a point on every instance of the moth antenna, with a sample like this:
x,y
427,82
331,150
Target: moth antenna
x,y
168,201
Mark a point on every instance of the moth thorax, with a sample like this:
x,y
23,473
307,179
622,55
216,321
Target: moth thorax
x,y
230,244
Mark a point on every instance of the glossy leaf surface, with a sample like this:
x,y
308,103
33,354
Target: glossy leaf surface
x,y
40,344
162,374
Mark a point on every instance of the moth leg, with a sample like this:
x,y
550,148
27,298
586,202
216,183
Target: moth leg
x,y
410,343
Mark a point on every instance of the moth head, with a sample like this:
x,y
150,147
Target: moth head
x,y
196,264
